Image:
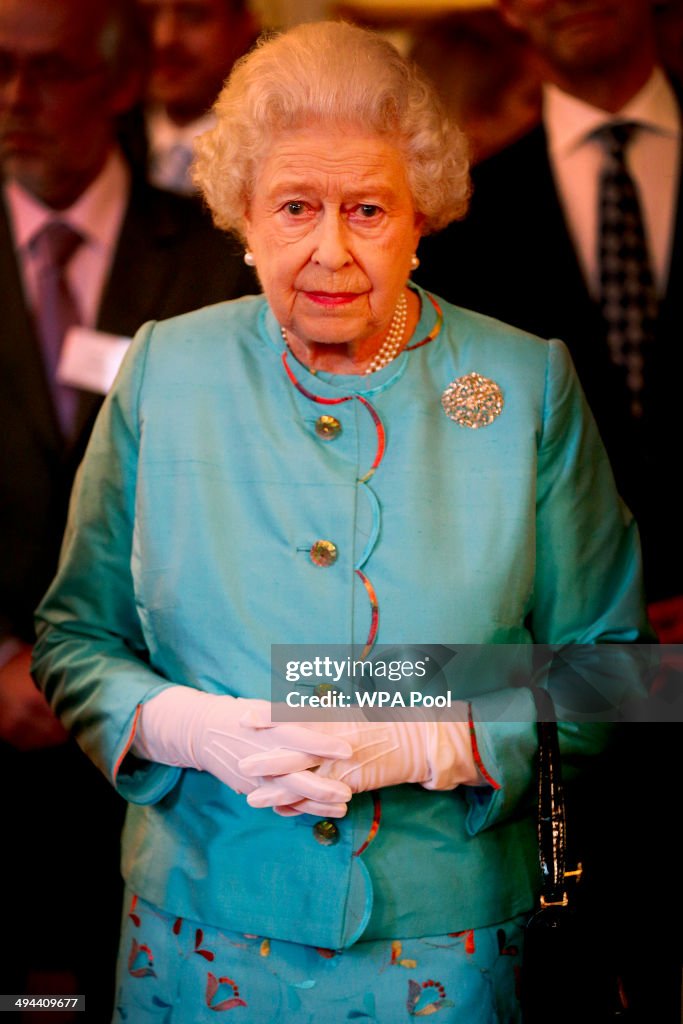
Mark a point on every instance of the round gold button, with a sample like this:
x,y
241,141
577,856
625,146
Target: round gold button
x,y
327,428
326,832
324,553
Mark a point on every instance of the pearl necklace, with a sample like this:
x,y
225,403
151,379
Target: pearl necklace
x,y
391,345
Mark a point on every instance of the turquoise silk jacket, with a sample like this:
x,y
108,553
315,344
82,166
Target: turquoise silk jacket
x,y
210,479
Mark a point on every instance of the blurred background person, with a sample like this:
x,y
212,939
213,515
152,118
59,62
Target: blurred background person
x,y
485,73
575,232
84,242
194,45
529,250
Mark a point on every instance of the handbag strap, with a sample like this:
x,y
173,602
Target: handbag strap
x,y
552,821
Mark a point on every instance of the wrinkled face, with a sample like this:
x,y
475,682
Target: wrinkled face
x,y
582,35
332,227
194,45
57,98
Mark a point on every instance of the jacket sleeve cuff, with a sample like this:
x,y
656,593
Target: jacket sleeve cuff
x,y
138,781
503,731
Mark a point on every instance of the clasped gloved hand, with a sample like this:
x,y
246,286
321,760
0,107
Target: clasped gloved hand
x,y
190,729
436,754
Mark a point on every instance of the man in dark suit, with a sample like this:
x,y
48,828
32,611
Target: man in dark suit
x,y
68,70
527,253
194,45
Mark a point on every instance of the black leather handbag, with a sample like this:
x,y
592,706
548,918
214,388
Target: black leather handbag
x,y
567,973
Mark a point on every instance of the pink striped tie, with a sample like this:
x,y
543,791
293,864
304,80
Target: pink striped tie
x,y
56,309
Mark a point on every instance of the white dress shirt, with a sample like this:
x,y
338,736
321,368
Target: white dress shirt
x,y
97,215
653,158
171,148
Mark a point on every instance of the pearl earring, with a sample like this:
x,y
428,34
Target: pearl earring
x,y
414,262
249,258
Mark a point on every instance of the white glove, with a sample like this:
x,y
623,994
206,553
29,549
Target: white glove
x,y
190,729
436,754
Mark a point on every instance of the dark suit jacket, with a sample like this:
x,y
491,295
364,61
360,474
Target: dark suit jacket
x,y
169,259
512,257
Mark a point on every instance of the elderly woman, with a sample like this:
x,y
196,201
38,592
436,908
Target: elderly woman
x,y
343,460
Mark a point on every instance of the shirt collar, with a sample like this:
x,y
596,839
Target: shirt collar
x,y
164,133
97,214
569,121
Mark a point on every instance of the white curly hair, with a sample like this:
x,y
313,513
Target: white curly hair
x,y
330,72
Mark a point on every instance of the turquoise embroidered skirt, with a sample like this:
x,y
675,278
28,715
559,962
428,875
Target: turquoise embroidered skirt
x,y
175,971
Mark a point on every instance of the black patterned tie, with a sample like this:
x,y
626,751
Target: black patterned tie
x,y
56,309
628,297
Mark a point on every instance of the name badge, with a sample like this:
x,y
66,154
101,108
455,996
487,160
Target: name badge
x,y
90,359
